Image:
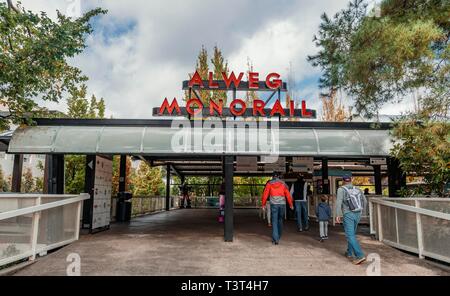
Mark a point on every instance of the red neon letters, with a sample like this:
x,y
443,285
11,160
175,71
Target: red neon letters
x,y
272,80
237,108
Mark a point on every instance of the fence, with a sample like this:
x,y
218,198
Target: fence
x,y
213,202
417,225
141,205
32,224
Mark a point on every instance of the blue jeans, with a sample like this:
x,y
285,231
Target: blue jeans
x,y
277,214
301,214
350,221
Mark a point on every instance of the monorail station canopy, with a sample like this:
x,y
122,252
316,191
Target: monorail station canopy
x,y
152,141
215,146
155,137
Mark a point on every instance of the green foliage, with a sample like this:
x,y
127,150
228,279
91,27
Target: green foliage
x,y
80,107
148,180
219,65
33,58
423,147
74,171
380,59
4,185
27,182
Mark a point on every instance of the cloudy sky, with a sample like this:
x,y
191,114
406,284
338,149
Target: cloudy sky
x,y
141,51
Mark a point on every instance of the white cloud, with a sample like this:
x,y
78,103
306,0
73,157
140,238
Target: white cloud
x,y
142,50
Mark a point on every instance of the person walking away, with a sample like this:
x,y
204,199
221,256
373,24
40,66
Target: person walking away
x,y
299,193
323,214
221,217
266,209
278,193
350,202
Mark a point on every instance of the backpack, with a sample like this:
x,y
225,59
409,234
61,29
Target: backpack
x,y
354,198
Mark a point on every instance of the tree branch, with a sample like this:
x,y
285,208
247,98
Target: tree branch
x,y
12,6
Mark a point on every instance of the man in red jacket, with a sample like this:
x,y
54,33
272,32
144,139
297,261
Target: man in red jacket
x,y
278,192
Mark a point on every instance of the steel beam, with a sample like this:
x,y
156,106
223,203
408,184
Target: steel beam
x,y
325,181
123,173
377,178
168,187
17,173
229,170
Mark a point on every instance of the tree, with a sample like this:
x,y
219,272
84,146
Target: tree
x,y
220,66
333,109
402,51
80,107
27,181
380,59
422,146
4,186
202,67
33,58
250,95
148,180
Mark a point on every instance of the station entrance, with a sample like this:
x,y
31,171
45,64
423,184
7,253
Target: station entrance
x,y
321,151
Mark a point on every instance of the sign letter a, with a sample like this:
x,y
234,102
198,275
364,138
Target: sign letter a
x,y
196,80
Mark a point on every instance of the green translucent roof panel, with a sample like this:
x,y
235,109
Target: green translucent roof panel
x,y
165,140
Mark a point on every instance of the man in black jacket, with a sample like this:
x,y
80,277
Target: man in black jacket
x,y
299,194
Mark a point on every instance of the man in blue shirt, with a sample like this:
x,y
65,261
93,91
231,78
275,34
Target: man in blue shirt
x,y
350,219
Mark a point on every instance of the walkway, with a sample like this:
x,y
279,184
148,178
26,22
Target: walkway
x,y
190,242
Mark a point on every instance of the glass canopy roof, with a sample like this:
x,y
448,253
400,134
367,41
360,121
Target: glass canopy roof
x,y
152,140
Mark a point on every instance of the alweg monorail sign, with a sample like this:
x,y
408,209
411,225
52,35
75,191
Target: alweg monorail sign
x,y
237,107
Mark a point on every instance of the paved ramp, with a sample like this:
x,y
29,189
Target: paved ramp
x,y
190,242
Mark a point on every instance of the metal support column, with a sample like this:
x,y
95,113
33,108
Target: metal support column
x,y
123,173
17,173
377,178
325,181
396,177
54,166
168,187
229,170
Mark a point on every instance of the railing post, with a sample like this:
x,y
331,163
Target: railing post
x,y
372,231
380,224
396,226
77,224
35,230
419,231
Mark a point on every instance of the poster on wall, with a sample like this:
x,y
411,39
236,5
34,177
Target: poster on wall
x,y
101,211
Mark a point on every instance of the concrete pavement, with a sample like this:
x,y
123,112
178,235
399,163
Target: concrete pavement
x,y
190,242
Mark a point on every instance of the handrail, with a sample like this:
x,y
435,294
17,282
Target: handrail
x,y
32,195
413,209
41,207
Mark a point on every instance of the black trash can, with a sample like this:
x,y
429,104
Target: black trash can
x,y
123,208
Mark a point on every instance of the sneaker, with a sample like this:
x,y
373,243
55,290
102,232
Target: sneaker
x,y
277,242
359,261
348,256
325,237
300,230
321,240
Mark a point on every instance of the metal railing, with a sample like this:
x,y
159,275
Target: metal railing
x,y
32,224
419,225
141,205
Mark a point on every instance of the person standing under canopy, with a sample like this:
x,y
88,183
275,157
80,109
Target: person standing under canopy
x,y
278,193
